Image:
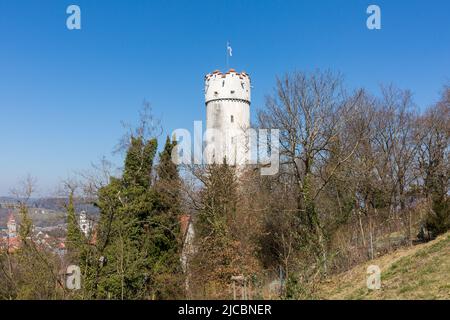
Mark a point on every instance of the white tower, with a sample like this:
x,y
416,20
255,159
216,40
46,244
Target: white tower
x,y
227,98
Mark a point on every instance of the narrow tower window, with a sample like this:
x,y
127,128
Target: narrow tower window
x,y
232,119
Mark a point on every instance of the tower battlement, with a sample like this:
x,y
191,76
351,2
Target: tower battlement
x,y
231,85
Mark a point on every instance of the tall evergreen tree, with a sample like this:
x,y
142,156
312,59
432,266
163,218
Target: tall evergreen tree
x,y
26,224
166,227
126,206
137,242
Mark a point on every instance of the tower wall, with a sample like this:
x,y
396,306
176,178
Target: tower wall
x,y
227,98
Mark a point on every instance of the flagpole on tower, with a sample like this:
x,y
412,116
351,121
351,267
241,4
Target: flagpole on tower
x,y
228,44
229,53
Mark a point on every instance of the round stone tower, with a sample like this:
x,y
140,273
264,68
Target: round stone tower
x,y
227,99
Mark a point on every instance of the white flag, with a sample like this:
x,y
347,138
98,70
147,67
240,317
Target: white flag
x,y
229,49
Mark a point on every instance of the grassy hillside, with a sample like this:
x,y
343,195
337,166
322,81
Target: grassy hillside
x,y
419,272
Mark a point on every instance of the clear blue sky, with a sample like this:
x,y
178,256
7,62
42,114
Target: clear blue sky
x,y
63,93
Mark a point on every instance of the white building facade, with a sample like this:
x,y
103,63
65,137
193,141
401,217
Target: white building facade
x,y
12,227
85,224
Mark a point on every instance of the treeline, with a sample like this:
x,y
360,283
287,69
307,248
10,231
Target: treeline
x,y
360,175
134,252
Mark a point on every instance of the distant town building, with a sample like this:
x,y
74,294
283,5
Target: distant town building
x,y
11,241
12,226
85,224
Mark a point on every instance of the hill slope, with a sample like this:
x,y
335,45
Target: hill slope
x,y
419,272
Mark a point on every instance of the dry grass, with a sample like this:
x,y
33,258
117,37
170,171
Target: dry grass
x,y
419,272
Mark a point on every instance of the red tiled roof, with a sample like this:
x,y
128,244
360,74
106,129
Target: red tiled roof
x,y
10,244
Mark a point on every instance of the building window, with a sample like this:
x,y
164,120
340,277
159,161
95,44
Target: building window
x,y
232,119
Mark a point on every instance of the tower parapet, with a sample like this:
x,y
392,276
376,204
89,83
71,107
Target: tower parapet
x,y
230,85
